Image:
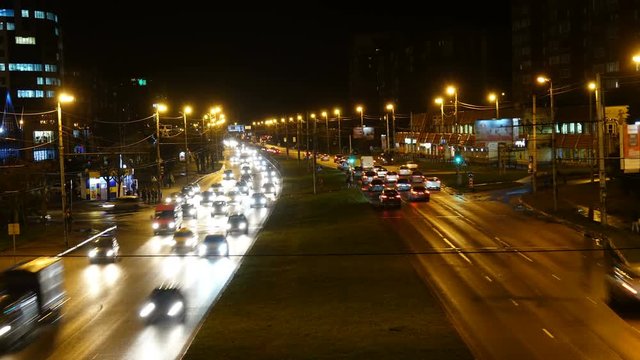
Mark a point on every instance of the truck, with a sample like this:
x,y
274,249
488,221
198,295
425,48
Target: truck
x,y
32,292
366,162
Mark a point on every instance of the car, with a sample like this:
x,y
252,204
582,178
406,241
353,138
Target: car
x,y
324,157
338,158
237,223
412,165
358,171
390,198
381,172
104,248
219,208
432,183
248,179
376,185
269,189
391,176
403,184
369,175
175,198
234,197
417,177
228,175
243,187
190,211
184,241
123,204
258,200
404,170
215,244
419,193
164,303
208,197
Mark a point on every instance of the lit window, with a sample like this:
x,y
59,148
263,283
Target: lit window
x,y
51,93
44,154
25,13
6,13
11,26
38,14
40,137
56,18
51,16
39,80
1,26
2,67
39,93
25,67
30,94
26,40
50,68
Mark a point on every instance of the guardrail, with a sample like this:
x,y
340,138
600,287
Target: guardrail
x,y
86,241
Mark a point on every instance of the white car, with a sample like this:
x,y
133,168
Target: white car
x,y
412,166
432,183
391,176
404,170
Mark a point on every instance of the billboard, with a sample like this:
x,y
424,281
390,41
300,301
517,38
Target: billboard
x,y
363,133
630,148
500,130
235,128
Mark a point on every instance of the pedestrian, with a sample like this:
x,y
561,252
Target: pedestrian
x,y
68,220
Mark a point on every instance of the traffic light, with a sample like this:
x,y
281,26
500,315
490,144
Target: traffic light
x,y
351,160
457,159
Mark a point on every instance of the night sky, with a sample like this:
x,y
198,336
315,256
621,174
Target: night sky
x,y
255,62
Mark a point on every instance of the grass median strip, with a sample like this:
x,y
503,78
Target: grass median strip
x,y
349,295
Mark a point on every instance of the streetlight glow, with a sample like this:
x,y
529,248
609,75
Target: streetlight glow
x,y
389,106
359,109
542,79
492,97
65,98
160,107
439,101
336,111
451,90
592,85
188,110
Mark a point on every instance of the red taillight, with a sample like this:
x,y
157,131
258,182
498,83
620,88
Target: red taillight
x,y
398,196
383,196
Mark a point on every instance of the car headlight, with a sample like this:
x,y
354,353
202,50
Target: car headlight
x,y
172,242
155,225
222,249
263,201
5,329
167,200
242,226
147,309
175,308
172,224
93,253
107,206
202,249
228,226
110,253
192,211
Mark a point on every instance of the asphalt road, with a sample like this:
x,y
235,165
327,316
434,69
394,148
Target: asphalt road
x,y
100,320
515,285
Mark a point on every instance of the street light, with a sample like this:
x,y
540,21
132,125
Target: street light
x,y
63,98
494,98
451,90
326,120
298,121
159,108
360,110
187,110
636,59
337,112
542,80
390,137
440,102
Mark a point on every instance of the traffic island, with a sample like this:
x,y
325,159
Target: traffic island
x,y
326,279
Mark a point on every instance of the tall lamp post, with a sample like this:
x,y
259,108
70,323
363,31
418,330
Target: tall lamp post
x,y
360,110
159,108
602,176
542,80
62,98
326,123
494,98
298,121
393,125
440,102
337,113
451,90
185,111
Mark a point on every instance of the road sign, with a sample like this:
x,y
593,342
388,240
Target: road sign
x,y
14,229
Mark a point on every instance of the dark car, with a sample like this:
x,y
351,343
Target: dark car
x,y
189,211
214,245
419,193
164,303
237,224
258,200
403,184
376,185
219,208
123,204
390,198
104,248
269,189
208,197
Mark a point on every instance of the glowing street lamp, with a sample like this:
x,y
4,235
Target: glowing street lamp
x,y
493,98
185,111
159,108
62,98
543,80
326,121
393,127
360,110
636,59
337,113
451,90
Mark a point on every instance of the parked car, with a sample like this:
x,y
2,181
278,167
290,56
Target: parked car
x,y
164,303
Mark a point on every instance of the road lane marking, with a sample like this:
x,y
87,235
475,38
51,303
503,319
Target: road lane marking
x,y
456,249
548,333
524,256
488,278
437,231
514,302
593,301
554,275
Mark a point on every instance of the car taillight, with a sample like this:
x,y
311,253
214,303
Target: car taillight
x,y
398,196
383,196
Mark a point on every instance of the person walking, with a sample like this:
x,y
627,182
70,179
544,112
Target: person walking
x,y
68,220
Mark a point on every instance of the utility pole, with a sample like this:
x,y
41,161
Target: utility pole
x,y
534,160
63,192
298,120
315,151
602,176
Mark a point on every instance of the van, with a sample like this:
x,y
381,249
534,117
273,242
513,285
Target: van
x,y
167,218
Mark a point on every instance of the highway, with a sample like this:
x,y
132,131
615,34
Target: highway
x,y
100,319
515,285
